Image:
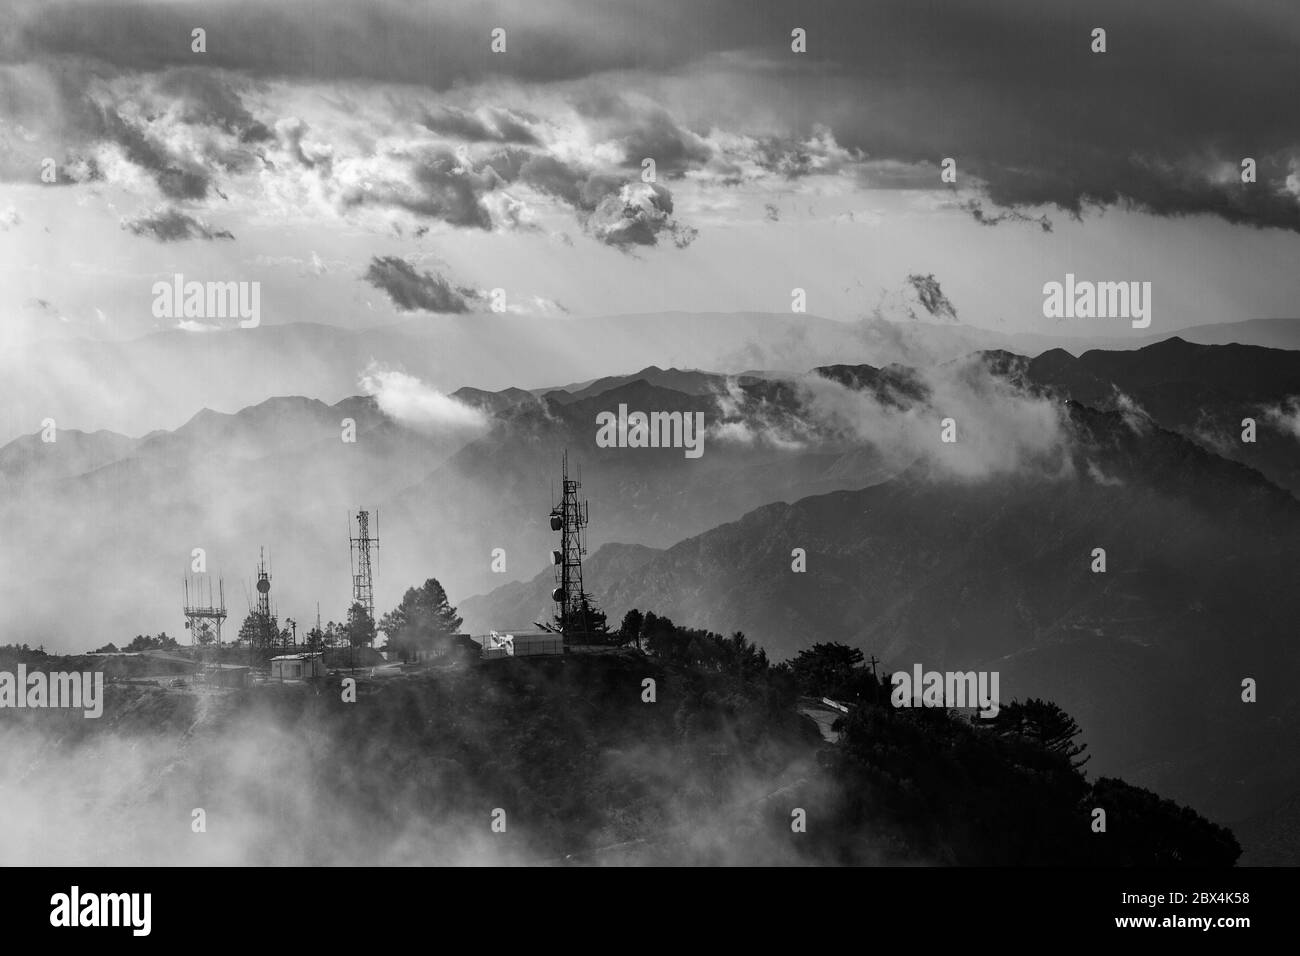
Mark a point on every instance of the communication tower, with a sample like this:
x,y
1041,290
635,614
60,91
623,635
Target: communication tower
x,y
569,518
363,582
204,617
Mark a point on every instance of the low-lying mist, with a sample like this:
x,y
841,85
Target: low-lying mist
x,y
415,772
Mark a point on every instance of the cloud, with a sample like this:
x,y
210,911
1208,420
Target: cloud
x,y
898,413
1100,477
1285,417
919,298
207,98
413,291
931,296
413,403
895,174
711,93
976,208
636,216
171,225
656,135
391,41
819,154
520,304
488,125
1133,414
274,149
999,428
433,183
182,129
291,132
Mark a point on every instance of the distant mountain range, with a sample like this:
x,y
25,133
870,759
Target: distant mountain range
x,y
161,380
1266,333
120,515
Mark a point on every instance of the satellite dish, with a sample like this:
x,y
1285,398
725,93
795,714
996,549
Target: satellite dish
x,y
264,585
557,522
557,594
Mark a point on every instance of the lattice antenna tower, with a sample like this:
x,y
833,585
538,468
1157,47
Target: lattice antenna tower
x,y
570,518
362,562
269,634
204,610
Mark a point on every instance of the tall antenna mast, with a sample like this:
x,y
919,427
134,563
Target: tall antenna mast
x,y
264,618
569,518
363,583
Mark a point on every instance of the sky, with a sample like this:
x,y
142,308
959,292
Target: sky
x,y
372,162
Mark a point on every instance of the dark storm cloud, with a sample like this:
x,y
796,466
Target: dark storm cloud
x,y
503,166
443,189
208,99
785,158
74,107
512,129
431,43
1009,88
449,193
291,132
458,123
177,178
1012,91
172,225
547,174
413,291
462,124
580,189
657,136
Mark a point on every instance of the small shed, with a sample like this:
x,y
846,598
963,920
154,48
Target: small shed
x,y
297,666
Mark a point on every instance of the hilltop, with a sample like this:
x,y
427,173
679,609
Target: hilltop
x,y
584,769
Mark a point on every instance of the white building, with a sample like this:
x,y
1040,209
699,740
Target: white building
x,y
297,666
497,644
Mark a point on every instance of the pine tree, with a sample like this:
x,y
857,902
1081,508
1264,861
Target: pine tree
x,y
360,628
587,620
630,631
424,616
1046,724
